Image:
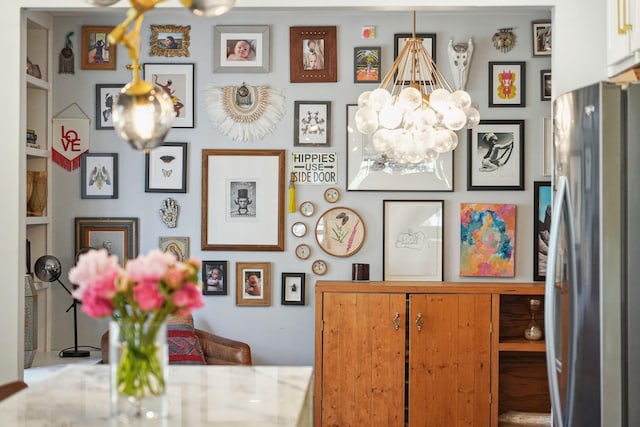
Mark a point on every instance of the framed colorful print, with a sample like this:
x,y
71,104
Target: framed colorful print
x,y
313,54
243,200
541,37
545,85
495,155
507,84
542,197
367,64
105,97
177,81
412,240
429,43
214,277
97,52
253,283
365,173
547,160
170,40
292,289
340,232
119,236
487,239
241,49
166,168
99,175
312,124
178,246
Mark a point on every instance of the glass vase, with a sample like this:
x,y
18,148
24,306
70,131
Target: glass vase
x,y
139,366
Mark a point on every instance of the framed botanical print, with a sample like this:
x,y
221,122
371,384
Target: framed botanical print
x,y
253,283
99,175
507,84
542,197
214,277
340,232
97,52
119,236
366,64
312,124
313,54
292,289
177,81
429,43
541,37
170,40
105,97
166,168
241,49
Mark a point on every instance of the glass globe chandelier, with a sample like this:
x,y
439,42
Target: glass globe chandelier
x,y
143,112
413,116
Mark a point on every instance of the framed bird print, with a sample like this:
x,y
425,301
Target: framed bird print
x,y
99,175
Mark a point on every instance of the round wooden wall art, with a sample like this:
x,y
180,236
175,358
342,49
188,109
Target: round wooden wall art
x,y
340,232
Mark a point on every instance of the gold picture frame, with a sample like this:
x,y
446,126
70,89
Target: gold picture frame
x,y
253,283
170,40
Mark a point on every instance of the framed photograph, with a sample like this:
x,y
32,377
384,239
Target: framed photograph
x,y
99,175
312,124
241,49
495,155
542,197
178,246
214,277
166,168
97,52
429,43
541,37
367,64
487,239
545,85
105,97
547,159
412,240
119,236
170,40
253,283
340,232
313,54
364,173
243,200
292,289
507,84
177,81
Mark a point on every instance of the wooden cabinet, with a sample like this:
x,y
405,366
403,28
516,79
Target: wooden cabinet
x,y
396,354
623,35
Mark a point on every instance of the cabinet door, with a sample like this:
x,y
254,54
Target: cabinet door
x,y
363,359
617,36
449,360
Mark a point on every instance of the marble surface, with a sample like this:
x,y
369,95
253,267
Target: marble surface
x,y
78,395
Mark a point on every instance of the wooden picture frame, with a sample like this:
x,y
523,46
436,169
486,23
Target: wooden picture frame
x,y
367,64
293,289
542,199
313,54
252,42
312,124
340,231
495,155
165,168
507,84
412,240
177,80
99,175
545,85
253,284
97,52
178,246
429,43
170,40
215,277
541,38
105,97
243,200
119,235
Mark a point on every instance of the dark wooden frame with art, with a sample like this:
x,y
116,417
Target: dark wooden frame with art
x,y
97,53
98,233
542,197
293,289
313,63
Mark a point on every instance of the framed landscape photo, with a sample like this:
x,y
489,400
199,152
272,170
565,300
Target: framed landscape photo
x,y
214,277
170,40
367,64
313,54
292,289
542,197
99,175
97,53
166,168
119,236
507,84
541,37
545,85
412,240
241,49
105,97
177,81
312,124
243,200
429,43
495,155
253,283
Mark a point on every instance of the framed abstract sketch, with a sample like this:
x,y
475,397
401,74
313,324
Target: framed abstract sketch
x,y
99,175
105,97
541,36
119,236
313,54
292,289
241,49
487,239
507,84
178,246
542,197
177,81
214,277
312,124
429,43
97,53
253,283
170,40
366,64
166,168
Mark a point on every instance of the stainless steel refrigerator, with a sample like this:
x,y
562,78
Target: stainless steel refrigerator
x,y
592,290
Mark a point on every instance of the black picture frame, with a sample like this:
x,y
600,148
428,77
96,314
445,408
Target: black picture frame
x,y
105,97
367,64
312,124
513,95
293,289
99,175
215,288
542,198
165,169
541,42
545,85
428,41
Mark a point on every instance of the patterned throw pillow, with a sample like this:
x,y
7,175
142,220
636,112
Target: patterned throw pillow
x,y
184,345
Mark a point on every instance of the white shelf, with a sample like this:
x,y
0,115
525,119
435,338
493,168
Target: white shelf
x,y
37,152
34,82
38,220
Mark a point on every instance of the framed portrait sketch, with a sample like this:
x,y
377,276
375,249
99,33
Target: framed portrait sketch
x,y
105,97
177,81
214,278
541,37
166,168
99,175
507,84
364,173
340,232
545,85
313,54
367,64
412,240
429,43
241,49
312,124
542,197
97,52
243,200
119,236
495,155
170,40
292,289
178,246
253,283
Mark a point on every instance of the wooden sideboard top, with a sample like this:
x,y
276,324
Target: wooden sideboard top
x,y
524,288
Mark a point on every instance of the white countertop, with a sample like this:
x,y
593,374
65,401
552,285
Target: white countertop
x,y
78,395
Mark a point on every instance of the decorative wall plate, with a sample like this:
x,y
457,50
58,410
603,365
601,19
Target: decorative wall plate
x,y
331,194
303,251
340,232
299,229
319,267
307,208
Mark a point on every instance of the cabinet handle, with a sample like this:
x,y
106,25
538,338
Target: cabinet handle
x,y
396,321
419,321
623,25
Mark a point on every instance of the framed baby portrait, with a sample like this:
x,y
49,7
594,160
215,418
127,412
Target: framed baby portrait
x,y
313,54
97,52
241,49
253,283
214,278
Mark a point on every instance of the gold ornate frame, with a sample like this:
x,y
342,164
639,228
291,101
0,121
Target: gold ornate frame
x,y
179,33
